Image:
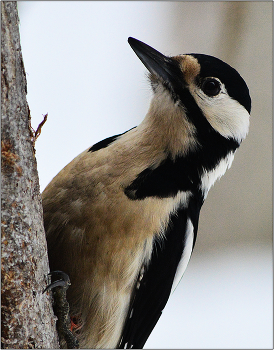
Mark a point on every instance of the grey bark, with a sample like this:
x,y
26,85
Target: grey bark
x,y
27,317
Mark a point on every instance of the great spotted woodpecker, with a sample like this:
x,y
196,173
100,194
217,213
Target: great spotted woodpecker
x,y
121,218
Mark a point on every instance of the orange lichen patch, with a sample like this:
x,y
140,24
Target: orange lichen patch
x,y
8,157
190,67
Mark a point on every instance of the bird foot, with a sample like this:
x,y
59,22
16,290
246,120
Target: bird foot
x,y
61,309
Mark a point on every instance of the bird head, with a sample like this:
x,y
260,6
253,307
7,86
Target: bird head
x,y
212,94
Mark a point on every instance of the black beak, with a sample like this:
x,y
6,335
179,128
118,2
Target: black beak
x,y
162,66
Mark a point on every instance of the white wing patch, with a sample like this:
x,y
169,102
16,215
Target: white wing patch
x,y
186,254
207,180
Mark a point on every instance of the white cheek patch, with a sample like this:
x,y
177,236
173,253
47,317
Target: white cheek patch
x,y
225,115
186,254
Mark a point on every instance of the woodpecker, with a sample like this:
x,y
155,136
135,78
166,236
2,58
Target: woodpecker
x,y
121,218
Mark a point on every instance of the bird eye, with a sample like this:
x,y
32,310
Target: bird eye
x,y
211,87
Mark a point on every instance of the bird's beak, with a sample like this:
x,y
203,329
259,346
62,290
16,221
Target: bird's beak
x,y
162,66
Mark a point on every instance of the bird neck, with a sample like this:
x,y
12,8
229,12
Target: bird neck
x,y
167,124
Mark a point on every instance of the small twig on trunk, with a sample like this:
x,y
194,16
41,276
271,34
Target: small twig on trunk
x,y
35,134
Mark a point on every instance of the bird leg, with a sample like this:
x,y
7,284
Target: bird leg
x,y
61,309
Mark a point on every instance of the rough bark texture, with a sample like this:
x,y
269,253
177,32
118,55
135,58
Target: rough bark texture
x,y
27,317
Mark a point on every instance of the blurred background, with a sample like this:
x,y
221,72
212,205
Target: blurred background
x,y
82,72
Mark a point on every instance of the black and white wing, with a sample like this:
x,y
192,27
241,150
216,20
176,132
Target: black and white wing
x,y
161,275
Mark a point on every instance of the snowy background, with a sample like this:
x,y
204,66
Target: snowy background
x,y
82,72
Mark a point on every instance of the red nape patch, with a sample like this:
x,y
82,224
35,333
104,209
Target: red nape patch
x,y
75,323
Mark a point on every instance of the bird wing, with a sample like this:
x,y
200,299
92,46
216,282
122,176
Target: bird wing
x,y
154,286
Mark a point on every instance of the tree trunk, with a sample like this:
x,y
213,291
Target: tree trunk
x,y
27,317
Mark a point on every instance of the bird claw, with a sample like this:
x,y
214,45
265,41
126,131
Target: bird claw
x,y
61,309
63,282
